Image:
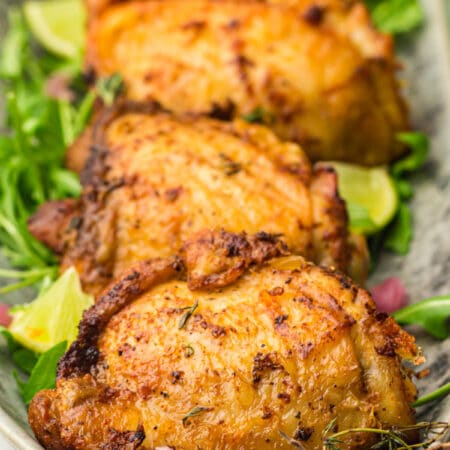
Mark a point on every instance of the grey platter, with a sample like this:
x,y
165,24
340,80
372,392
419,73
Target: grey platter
x,y
425,270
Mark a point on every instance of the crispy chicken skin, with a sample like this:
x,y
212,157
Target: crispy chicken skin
x,y
153,180
249,352
325,79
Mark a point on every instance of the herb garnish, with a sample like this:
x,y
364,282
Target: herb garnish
x,y
431,314
40,368
32,151
396,16
291,441
258,115
392,438
432,396
398,234
110,88
196,411
185,317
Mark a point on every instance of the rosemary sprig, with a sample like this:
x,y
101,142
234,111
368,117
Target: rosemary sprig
x,y
185,317
292,441
196,411
392,438
110,88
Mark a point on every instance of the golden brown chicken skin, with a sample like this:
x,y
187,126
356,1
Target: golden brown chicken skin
x,y
323,79
153,180
250,352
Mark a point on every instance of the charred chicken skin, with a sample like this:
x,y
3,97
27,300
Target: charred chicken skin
x,y
319,71
153,180
232,344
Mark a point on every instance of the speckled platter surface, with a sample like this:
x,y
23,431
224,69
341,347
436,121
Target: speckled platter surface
x,y
425,271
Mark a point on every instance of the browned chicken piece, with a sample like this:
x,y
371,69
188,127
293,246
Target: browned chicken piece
x,y
323,76
95,7
153,180
250,352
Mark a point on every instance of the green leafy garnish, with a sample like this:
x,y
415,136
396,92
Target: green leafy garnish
x,y
433,396
400,231
24,358
431,314
396,16
398,235
418,144
41,368
39,129
43,375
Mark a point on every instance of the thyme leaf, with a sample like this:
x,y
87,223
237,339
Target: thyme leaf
x,y
185,317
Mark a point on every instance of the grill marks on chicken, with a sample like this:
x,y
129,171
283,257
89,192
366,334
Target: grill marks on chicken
x,y
285,347
153,180
325,78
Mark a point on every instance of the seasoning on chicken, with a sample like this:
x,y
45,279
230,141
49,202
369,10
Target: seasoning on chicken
x,y
153,180
320,72
250,352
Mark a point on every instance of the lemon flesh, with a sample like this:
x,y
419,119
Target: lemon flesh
x,y
369,189
53,317
58,25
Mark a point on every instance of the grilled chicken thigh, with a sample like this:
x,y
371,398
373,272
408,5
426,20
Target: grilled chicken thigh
x,y
153,180
319,71
249,353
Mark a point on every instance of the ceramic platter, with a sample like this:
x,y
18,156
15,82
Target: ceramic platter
x,y
425,270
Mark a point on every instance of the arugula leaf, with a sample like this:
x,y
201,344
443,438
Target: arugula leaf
x,y
431,314
43,375
418,144
403,188
396,16
13,45
400,232
25,359
39,129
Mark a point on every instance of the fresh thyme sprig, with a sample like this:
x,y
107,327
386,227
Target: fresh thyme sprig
x,y
392,438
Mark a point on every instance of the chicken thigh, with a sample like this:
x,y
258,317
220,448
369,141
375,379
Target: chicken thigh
x,y
232,344
317,73
153,180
